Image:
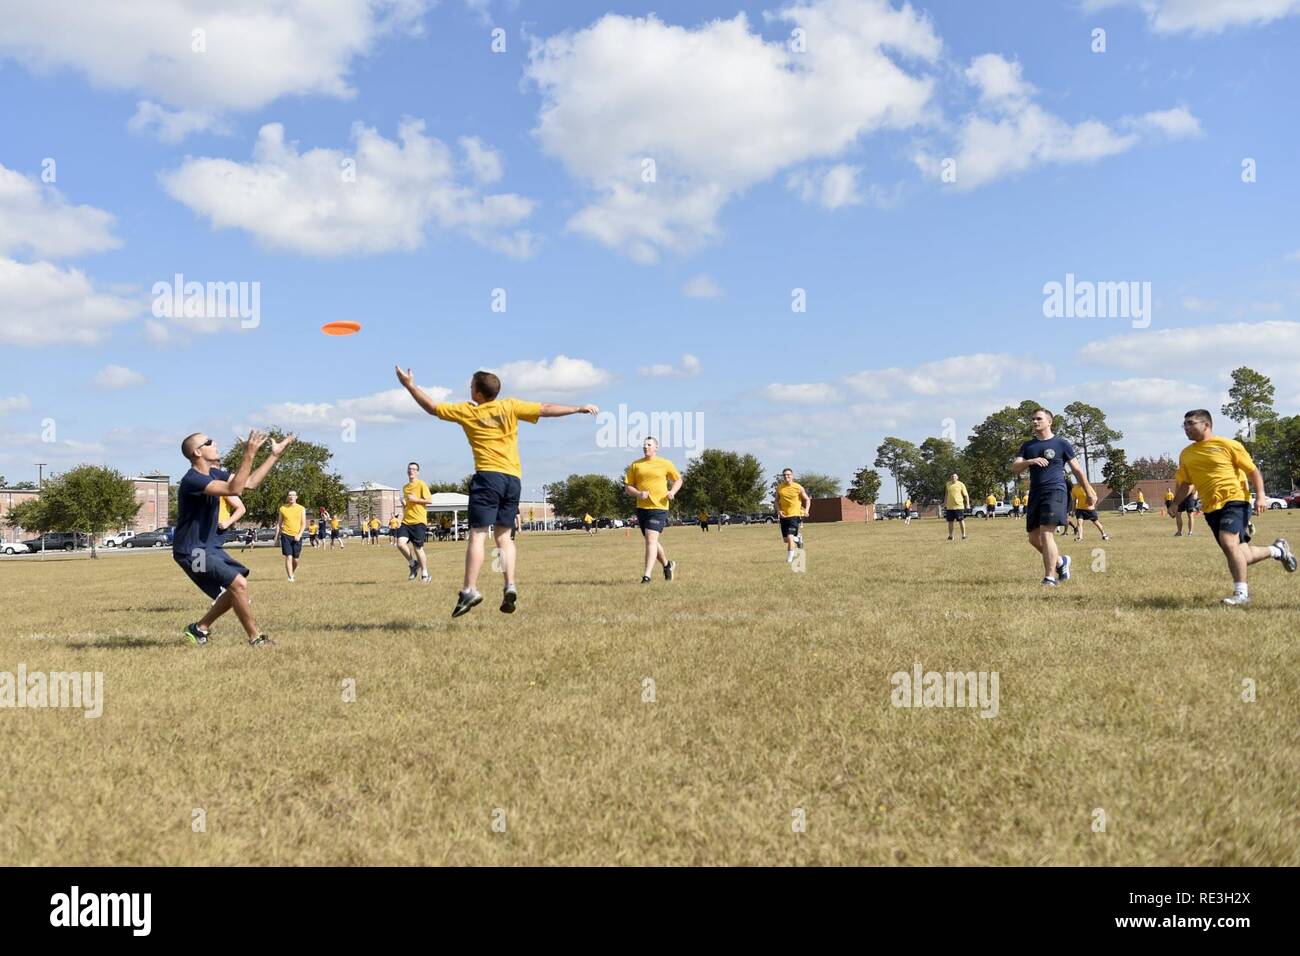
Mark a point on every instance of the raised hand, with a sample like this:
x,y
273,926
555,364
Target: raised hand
x,y
588,410
256,438
405,377
278,447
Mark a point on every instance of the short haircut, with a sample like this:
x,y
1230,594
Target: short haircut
x,y
1046,412
1200,413
784,470
650,438
291,493
415,463
486,384
186,451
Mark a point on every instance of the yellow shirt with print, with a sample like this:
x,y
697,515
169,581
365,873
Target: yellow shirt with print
x,y
955,495
493,430
1169,494
1080,497
292,518
653,475
1212,466
413,513
789,500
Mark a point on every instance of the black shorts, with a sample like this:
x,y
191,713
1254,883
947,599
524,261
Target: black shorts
x,y
1047,508
334,535
790,526
955,514
212,571
1234,517
1086,514
1188,505
493,499
652,519
290,547
418,533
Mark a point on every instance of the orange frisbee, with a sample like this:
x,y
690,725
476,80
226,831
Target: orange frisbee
x,y
341,328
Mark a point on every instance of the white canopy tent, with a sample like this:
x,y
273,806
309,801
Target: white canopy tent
x,y
450,501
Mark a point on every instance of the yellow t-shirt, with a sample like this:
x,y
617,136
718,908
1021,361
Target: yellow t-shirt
x,y
955,495
703,516
1080,496
1212,466
292,518
652,475
334,524
1169,494
311,528
374,524
789,500
1015,502
223,511
908,504
990,501
413,513
1141,498
393,524
586,519
493,430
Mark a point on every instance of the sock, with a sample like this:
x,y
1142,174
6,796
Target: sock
x,y
789,557
1241,589
1275,552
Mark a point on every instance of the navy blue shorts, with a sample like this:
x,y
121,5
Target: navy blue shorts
x,y
652,519
418,533
212,571
1232,518
1047,508
954,514
1188,505
290,547
493,499
1086,514
790,526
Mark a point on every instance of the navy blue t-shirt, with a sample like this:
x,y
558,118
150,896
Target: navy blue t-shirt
x,y
1057,451
196,513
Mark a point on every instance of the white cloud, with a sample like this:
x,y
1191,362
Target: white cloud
x,y
1014,134
718,109
42,304
1221,346
14,403
1204,16
701,287
484,163
1194,304
832,187
301,201
172,126
812,393
35,218
381,408
255,51
689,368
115,377
956,375
559,375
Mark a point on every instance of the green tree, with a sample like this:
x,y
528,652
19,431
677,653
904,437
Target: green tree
x,y
1119,474
1157,469
865,488
719,481
992,447
173,497
817,485
30,515
1250,400
24,486
897,456
1276,449
89,498
1084,426
304,468
937,458
577,495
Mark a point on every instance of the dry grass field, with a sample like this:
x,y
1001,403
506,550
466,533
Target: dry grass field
x,y
1121,692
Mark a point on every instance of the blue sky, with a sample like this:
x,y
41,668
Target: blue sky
x,y
777,169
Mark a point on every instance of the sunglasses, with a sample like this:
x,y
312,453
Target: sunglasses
x,y
206,443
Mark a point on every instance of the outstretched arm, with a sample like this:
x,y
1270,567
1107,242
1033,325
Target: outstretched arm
x,y
550,410
417,393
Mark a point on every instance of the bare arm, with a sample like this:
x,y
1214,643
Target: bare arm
x,y
1257,480
1179,494
550,410
417,393
237,512
1087,485
807,502
235,485
677,486
635,493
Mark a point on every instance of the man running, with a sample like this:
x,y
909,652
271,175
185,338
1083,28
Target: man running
x,y
956,502
196,546
792,504
1045,457
587,522
907,511
313,533
647,480
491,425
288,531
1083,513
414,530
703,518
1213,464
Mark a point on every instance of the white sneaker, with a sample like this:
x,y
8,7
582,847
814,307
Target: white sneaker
x,y
425,578
1237,600
291,579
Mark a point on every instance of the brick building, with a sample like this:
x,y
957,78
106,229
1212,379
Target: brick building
x,y
150,491
840,509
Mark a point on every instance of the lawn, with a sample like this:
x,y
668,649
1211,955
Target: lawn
x,y
704,721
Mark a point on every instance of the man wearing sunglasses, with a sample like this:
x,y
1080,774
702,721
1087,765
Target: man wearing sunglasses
x,y
197,543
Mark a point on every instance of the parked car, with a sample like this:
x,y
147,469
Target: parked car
x,y
1272,504
1002,509
147,539
58,541
116,540
168,533
1292,500
14,547
1135,506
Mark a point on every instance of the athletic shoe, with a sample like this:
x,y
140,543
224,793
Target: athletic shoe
x,y
261,641
669,570
194,635
414,568
465,602
963,537
1288,556
291,580
949,537
645,579
1063,569
1105,537
1250,532
1178,534
1049,582
798,541
1236,601
508,600
426,578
